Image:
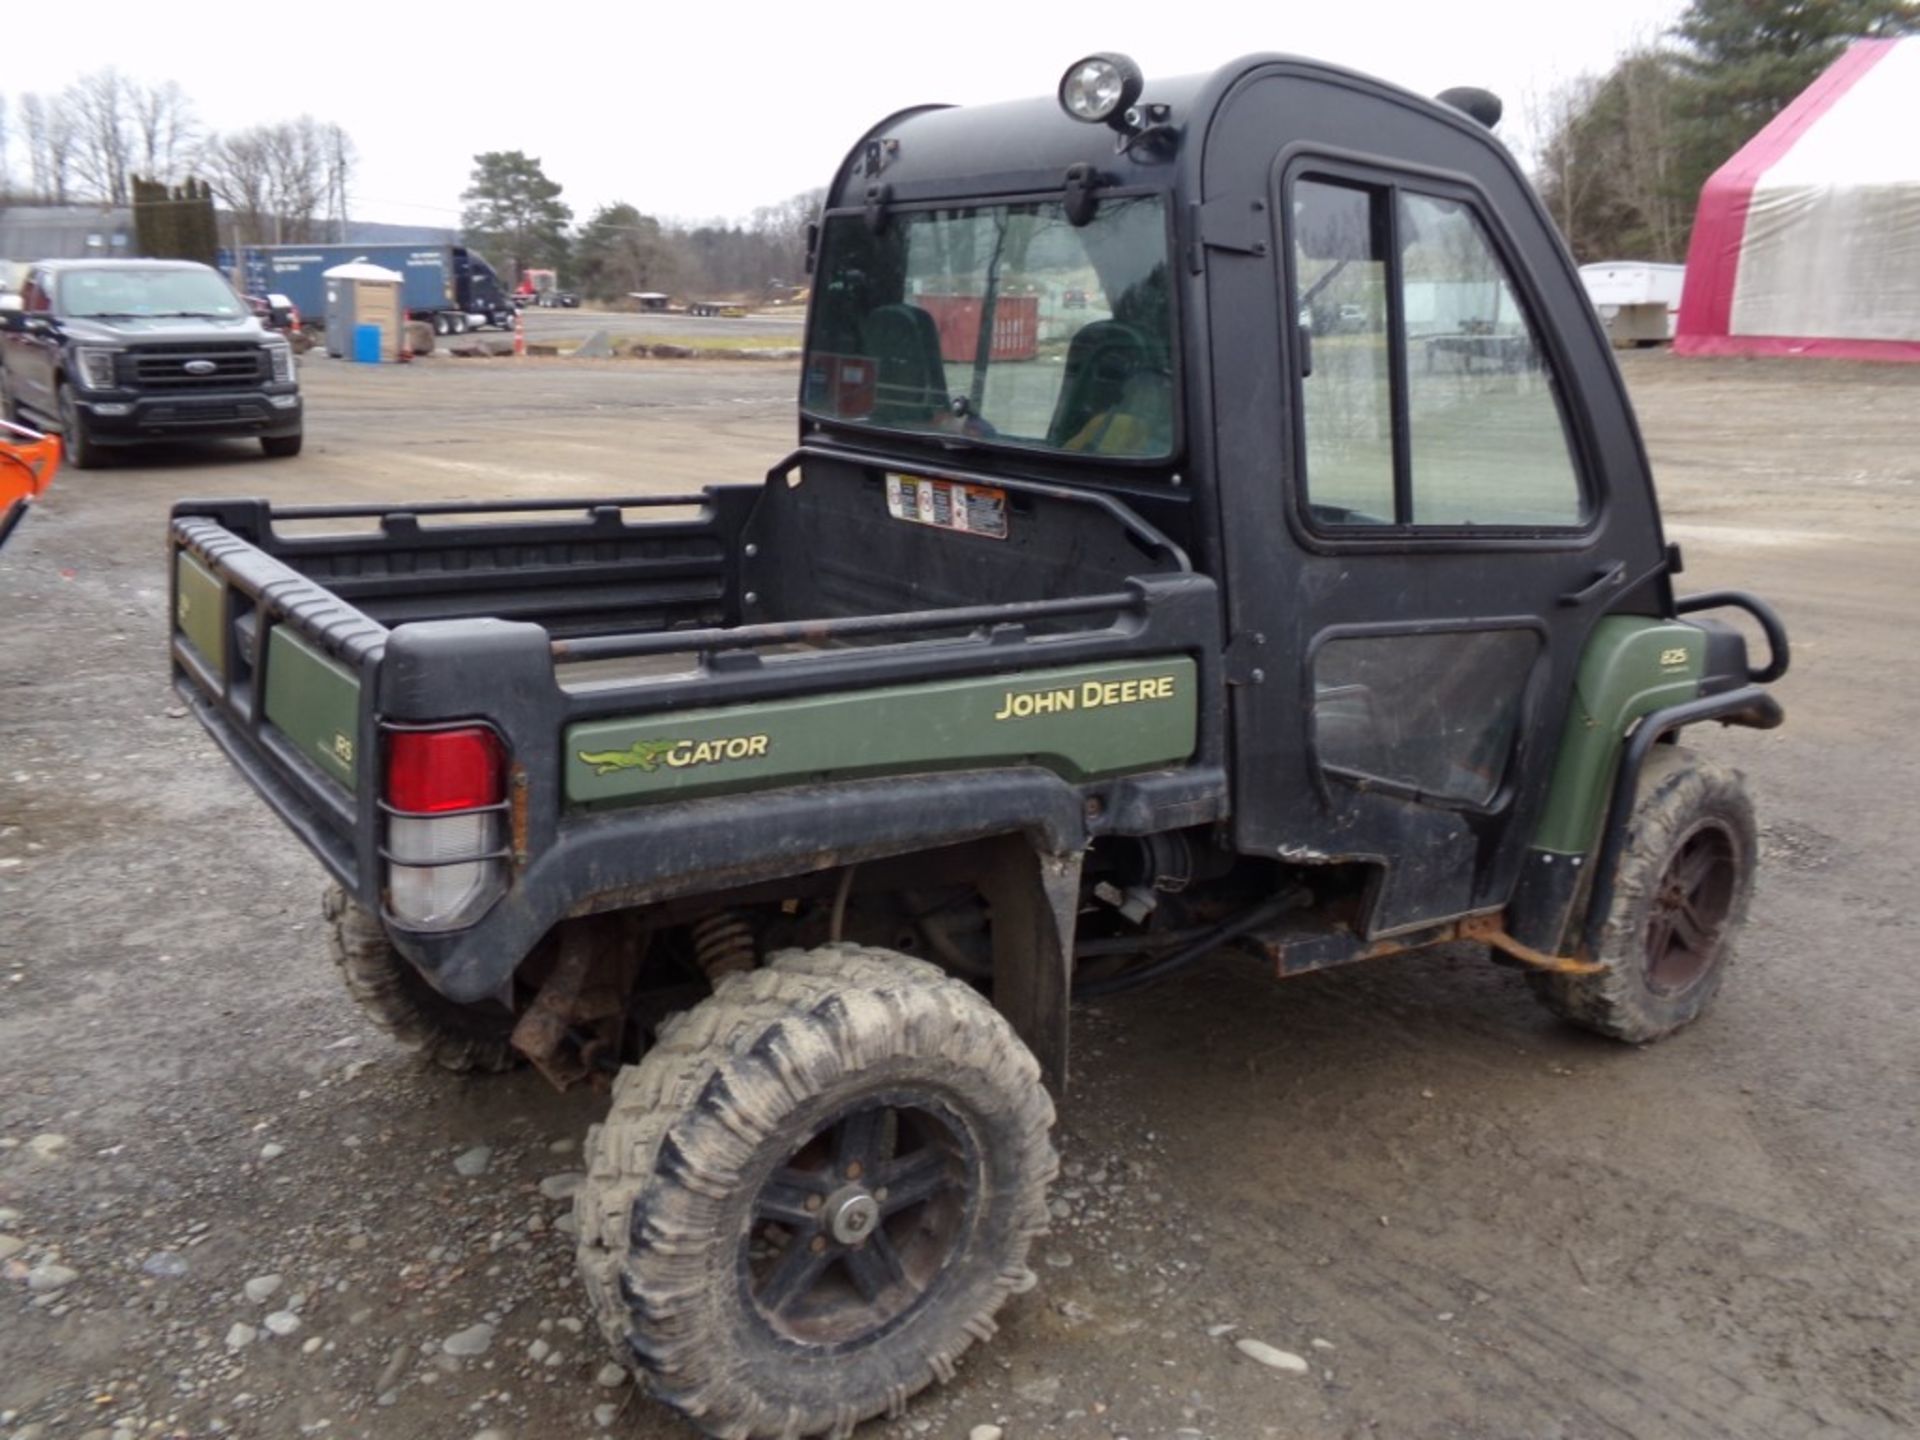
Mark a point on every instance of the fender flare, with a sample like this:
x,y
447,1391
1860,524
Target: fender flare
x,y
1750,706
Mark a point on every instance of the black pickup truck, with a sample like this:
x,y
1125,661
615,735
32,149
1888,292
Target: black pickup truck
x,y
1072,644
121,352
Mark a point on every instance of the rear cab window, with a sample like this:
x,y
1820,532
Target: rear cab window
x,y
1003,323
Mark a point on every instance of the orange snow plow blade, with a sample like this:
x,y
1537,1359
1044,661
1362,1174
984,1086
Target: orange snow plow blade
x,y
28,463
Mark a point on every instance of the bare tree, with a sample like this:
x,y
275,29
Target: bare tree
x,y
279,181
6,153
300,159
239,168
164,129
1566,165
1648,120
103,154
1606,164
49,127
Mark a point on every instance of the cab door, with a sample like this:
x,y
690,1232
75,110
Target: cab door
x,y
1444,521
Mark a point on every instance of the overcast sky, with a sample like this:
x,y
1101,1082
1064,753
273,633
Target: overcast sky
x,y
695,110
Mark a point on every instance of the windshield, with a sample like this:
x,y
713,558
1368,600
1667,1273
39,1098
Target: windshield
x,y
999,322
135,292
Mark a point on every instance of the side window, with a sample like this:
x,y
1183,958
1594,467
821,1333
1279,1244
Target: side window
x,y
1486,442
1346,392
1426,399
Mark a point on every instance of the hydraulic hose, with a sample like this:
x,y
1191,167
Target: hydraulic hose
x,y
1247,920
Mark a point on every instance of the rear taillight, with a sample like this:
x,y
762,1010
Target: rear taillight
x,y
446,805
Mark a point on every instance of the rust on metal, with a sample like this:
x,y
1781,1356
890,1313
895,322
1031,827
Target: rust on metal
x,y
517,813
1492,930
572,1030
1297,954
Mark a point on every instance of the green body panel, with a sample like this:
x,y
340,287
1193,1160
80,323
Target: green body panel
x,y
197,606
1632,666
315,701
1082,721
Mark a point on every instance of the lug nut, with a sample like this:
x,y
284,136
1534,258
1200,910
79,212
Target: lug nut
x,y
819,1244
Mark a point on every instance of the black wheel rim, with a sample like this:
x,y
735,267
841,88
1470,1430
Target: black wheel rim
x,y
850,1235
1687,921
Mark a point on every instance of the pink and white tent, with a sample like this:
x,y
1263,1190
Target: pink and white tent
x,y
1807,242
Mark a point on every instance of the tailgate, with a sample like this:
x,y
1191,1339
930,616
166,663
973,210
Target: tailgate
x,y
280,672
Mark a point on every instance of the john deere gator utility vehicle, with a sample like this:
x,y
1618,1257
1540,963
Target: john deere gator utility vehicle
x,y
1216,521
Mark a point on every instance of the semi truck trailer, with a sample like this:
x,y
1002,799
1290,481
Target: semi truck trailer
x,y
450,286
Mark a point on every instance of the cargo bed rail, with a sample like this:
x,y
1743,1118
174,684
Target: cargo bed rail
x,y
1006,621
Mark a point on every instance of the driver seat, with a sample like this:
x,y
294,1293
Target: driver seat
x,y
910,380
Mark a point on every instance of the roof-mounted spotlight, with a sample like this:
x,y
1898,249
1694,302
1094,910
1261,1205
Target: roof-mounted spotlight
x,y
1101,90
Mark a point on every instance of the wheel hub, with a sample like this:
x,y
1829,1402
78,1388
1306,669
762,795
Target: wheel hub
x,y
852,1214
1688,915
854,1231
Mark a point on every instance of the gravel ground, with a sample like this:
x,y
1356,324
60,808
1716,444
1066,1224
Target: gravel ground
x,y
1392,1200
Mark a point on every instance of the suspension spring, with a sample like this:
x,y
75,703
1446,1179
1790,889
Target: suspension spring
x,y
723,944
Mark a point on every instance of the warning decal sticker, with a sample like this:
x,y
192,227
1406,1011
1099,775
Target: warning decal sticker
x,y
948,505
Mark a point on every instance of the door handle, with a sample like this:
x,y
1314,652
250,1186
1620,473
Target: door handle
x,y
1602,581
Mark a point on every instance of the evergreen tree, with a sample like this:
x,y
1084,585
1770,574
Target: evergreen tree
x,y
620,251
514,212
1744,61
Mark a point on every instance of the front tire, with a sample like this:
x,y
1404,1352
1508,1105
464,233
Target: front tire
x,y
815,1192
1679,901
76,445
463,1038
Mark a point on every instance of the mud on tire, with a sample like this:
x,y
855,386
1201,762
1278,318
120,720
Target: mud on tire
x,y
815,1192
464,1038
1679,901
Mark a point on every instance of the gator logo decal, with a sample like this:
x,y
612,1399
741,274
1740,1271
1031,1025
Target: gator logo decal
x,y
642,755
650,755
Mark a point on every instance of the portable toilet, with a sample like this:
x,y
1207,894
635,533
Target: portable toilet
x,y
365,317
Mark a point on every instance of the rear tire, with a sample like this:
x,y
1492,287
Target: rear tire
x,y
729,1241
1679,901
281,447
464,1038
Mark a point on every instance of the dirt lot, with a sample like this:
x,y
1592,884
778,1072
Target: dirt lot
x,y
245,1214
